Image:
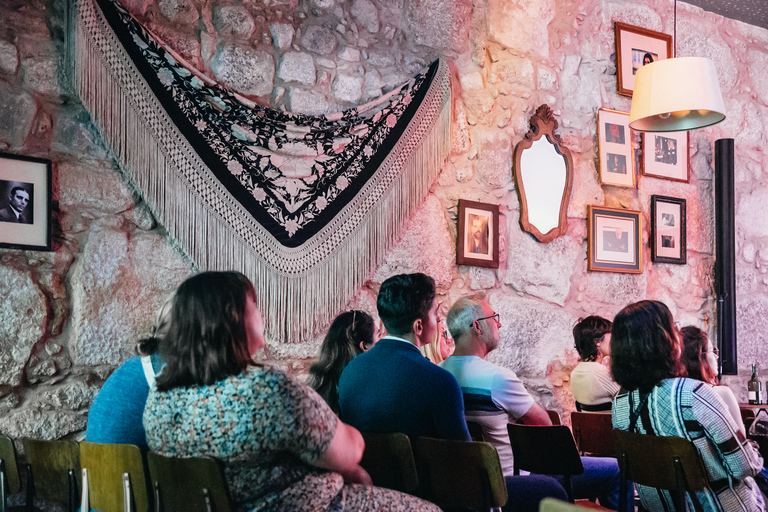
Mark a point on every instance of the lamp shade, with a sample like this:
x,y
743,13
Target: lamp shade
x,y
675,95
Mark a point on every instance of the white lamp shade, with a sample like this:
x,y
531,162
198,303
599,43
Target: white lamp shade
x,y
675,95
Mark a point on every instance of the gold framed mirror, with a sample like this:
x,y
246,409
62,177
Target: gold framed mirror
x,y
543,169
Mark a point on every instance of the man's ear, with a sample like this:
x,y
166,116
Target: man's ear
x,y
418,327
476,327
362,346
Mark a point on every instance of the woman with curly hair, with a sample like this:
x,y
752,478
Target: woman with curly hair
x,y
351,333
657,399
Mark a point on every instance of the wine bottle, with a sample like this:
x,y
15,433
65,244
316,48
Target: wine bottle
x,y
753,387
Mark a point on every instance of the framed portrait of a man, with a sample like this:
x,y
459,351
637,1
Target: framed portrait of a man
x,y
614,240
478,240
25,202
637,47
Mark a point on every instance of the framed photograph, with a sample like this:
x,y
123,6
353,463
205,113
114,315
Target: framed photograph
x,y
25,202
478,242
668,238
665,155
614,240
616,151
636,47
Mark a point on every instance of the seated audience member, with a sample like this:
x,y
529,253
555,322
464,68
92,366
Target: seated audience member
x,y
494,396
281,445
655,400
700,361
351,333
116,414
393,388
591,381
441,347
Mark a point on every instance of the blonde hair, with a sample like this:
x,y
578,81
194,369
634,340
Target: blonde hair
x,y
432,349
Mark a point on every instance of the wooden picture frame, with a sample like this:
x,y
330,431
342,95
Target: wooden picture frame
x,y
666,155
614,240
617,156
478,240
543,169
668,230
634,45
25,202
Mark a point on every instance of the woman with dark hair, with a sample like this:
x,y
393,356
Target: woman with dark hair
x,y
351,333
281,445
591,380
647,58
700,360
655,399
441,347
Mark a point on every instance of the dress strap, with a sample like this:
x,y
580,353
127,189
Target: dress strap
x,y
149,372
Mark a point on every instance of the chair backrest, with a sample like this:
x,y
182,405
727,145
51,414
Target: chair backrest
x,y
460,473
553,505
55,470
106,464
187,485
388,459
670,463
747,417
475,431
593,433
8,456
607,406
554,417
544,450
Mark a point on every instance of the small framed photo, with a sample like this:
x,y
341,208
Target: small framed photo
x,y
478,243
25,202
668,237
665,155
614,240
636,47
616,150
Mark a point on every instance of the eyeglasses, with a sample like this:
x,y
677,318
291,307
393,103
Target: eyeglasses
x,y
714,350
494,316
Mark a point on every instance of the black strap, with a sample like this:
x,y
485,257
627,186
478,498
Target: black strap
x,y
635,412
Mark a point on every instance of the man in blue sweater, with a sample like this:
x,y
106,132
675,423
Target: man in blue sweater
x,y
392,387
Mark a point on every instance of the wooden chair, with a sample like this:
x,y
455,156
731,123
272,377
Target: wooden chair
x,y
115,477
593,408
554,417
460,474
53,472
669,463
187,485
475,431
388,459
9,472
553,505
593,434
747,417
546,451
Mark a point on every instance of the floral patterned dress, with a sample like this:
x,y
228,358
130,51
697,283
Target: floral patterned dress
x,y
268,429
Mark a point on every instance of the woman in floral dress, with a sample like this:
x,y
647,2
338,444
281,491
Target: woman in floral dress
x,y
281,445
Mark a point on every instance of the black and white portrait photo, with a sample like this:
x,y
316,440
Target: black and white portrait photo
x,y
615,240
668,241
16,199
668,219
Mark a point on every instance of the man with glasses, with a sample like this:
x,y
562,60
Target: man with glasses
x,y
494,396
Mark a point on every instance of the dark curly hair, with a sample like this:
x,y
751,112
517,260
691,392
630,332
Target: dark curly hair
x,y
587,333
644,346
340,346
695,344
403,299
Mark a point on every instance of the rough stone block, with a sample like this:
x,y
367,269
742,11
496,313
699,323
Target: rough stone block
x,y
350,54
515,71
9,57
521,25
611,289
41,424
541,270
297,67
425,246
23,312
348,87
319,39
365,13
752,321
117,285
494,158
180,12
282,35
17,110
440,24
92,188
302,101
245,70
234,20
533,333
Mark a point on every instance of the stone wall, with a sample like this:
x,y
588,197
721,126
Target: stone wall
x,y
71,315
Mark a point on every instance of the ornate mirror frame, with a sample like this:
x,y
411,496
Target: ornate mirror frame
x,y
543,124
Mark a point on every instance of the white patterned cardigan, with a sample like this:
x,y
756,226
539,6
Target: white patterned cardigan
x,y
690,409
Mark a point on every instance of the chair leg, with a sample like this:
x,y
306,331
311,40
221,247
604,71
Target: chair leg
x,y
623,502
2,485
30,489
207,499
85,504
568,487
126,492
72,490
158,501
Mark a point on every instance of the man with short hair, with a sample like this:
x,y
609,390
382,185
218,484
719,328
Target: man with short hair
x,y
17,203
392,387
494,396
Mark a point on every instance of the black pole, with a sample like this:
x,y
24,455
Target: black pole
x,y
725,256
